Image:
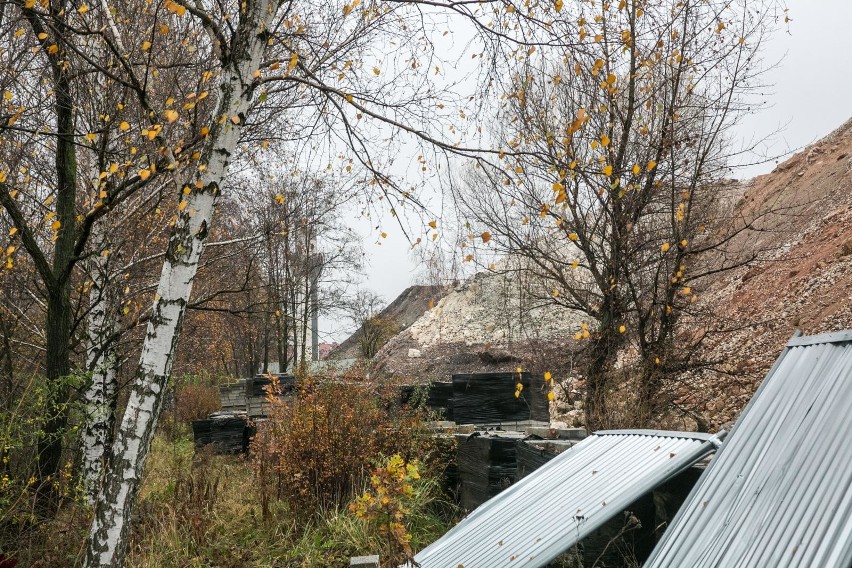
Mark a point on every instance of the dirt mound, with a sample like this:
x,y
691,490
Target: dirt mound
x,y
403,311
489,323
805,282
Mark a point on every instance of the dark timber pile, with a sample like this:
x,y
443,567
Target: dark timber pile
x,y
488,398
258,385
532,454
228,433
440,399
486,465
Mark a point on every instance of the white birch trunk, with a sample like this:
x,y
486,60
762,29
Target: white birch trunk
x,y
101,360
107,540
102,327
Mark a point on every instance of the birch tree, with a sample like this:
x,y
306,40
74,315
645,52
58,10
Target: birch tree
x,y
101,360
108,538
46,90
79,91
281,73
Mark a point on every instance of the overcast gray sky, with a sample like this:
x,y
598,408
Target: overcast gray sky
x,y
810,94
811,91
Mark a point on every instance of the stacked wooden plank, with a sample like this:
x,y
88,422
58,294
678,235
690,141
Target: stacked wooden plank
x,y
486,465
227,432
489,398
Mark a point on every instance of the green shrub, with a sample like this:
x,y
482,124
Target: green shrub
x,y
31,510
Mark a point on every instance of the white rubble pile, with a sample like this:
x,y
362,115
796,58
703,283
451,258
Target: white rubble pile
x,y
493,308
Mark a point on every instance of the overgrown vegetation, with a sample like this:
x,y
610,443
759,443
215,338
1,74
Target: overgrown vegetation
x,y
293,502
22,426
375,332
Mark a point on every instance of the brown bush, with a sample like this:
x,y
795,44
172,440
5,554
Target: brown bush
x,y
316,450
193,402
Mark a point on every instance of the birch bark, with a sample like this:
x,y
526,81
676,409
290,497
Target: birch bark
x,y
99,398
107,540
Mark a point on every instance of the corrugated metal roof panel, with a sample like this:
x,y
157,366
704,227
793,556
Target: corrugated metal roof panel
x,y
543,515
779,492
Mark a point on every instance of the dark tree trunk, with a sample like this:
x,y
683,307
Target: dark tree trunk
x,y
6,358
605,345
596,385
58,320
58,367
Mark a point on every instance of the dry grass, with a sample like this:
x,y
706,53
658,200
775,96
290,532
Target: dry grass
x,y
206,511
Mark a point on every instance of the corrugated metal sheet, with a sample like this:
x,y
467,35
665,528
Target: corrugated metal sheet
x,y
779,492
543,515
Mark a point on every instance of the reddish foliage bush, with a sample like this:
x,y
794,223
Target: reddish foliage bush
x,y
193,402
316,450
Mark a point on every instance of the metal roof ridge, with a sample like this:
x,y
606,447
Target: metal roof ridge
x,y
830,337
699,436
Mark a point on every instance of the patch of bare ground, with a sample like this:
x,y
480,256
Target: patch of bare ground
x,y
803,280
